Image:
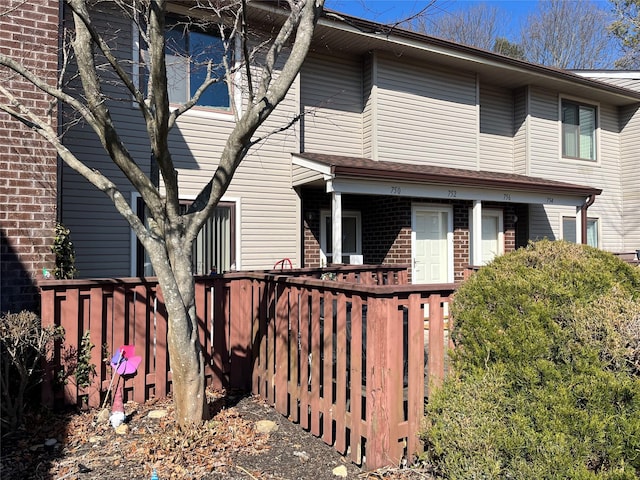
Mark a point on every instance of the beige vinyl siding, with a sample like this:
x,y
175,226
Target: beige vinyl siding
x,y
270,216
546,162
268,206
368,113
521,128
630,166
101,236
196,144
331,98
425,115
496,130
544,221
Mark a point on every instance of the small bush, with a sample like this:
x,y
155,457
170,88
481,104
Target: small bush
x,y
23,343
65,253
547,366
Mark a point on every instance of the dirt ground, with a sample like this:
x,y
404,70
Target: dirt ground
x,y
79,445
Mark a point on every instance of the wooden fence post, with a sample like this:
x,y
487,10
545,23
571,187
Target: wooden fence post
x,y
240,326
384,382
436,340
48,319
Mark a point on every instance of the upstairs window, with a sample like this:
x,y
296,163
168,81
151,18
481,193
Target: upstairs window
x,y
189,54
578,131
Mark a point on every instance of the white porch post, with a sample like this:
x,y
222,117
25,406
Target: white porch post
x,y
580,237
336,226
476,240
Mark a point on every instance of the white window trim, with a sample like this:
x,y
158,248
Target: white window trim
x,y
195,112
589,103
323,233
487,212
133,239
578,220
450,256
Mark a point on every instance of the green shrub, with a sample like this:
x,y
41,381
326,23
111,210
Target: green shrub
x,y
65,253
547,381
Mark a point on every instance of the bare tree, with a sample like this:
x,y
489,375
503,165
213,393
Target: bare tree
x,y
568,34
626,29
170,232
475,26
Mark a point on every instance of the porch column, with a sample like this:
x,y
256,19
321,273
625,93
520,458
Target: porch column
x,y
336,226
581,234
476,240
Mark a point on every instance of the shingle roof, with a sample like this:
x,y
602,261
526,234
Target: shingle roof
x,y
364,168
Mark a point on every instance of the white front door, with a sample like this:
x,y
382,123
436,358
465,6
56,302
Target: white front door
x,y
432,245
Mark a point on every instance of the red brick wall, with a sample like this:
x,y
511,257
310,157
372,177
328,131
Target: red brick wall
x,y
28,165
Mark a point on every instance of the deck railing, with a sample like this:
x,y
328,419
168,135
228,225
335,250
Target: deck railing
x,y
344,360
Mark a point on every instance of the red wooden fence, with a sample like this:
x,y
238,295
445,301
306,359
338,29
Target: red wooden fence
x,y
344,360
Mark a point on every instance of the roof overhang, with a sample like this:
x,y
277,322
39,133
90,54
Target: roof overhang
x,y
368,177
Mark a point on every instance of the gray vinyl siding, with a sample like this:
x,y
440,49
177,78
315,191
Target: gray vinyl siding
x,y
100,235
332,98
425,115
496,130
630,165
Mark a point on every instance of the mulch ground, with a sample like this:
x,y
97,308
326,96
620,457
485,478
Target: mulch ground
x,y
76,445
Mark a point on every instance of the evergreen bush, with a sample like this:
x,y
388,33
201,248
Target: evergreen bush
x,y
547,381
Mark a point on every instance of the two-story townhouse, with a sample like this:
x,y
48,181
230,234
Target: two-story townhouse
x,y
411,150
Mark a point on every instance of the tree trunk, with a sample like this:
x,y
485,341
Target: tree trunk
x,y
185,352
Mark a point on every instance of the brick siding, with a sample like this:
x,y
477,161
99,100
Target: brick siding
x,y
28,165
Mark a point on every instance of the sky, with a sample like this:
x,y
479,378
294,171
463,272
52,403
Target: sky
x,y
513,12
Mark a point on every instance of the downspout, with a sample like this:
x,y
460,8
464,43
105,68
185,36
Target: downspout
x,y
587,204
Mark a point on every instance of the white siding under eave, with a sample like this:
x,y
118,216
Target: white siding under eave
x,y
496,130
546,162
426,115
331,97
630,164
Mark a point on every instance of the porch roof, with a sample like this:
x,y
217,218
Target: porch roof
x,y
335,168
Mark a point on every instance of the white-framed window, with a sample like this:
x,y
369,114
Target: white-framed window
x,y
579,130
570,233
213,251
351,236
492,239
190,54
